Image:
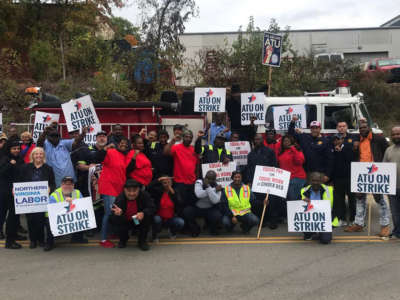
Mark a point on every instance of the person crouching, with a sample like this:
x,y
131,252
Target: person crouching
x,y
133,208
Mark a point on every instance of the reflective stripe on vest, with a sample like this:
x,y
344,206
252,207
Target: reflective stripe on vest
x,y
153,145
211,148
238,205
58,195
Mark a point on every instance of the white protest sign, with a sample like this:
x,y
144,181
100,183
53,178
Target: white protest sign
x,y
253,105
224,172
43,120
90,137
66,218
209,99
239,150
313,217
373,178
30,197
271,180
283,116
1,122
79,113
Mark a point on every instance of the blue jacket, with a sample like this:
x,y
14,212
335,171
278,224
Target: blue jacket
x,y
317,152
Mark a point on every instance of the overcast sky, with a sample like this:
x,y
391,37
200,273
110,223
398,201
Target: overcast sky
x,y
228,15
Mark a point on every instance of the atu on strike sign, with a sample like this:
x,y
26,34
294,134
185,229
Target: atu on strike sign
x,y
30,197
90,137
373,178
239,150
283,116
42,120
272,49
209,99
271,180
79,113
253,105
66,218
224,172
313,217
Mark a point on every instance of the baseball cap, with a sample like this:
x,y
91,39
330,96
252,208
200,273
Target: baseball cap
x,y
315,124
131,183
101,132
67,178
221,135
178,127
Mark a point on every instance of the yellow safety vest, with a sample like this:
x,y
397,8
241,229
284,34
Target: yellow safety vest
x,y
211,148
153,145
58,195
328,195
238,205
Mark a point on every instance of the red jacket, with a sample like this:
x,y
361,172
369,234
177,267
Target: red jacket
x,y
292,160
113,174
142,171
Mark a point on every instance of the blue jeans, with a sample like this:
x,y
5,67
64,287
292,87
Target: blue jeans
x,y
395,208
295,186
174,224
247,222
108,203
361,209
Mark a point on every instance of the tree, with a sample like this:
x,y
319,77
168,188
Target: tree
x,y
123,27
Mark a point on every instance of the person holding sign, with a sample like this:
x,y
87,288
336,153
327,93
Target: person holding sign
x,y
316,148
37,170
236,205
263,156
65,193
208,193
392,154
371,148
133,208
213,153
58,152
317,191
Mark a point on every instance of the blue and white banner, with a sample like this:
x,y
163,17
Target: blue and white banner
x,y
309,217
272,50
209,99
30,197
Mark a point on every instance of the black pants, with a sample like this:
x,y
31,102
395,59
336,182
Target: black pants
x,y
323,237
341,189
11,223
274,211
77,236
212,216
186,193
36,223
122,226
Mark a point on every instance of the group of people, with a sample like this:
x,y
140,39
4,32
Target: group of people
x,y
153,181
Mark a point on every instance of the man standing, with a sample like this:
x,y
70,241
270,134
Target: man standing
x,y
58,152
185,163
162,164
116,136
133,208
316,149
213,153
317,191
372,148
263,156
216,128
272,140
392,154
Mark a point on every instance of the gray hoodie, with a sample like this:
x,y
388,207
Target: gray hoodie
x,y
207,197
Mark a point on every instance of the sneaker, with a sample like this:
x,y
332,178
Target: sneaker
x,y
22,230
122,244
143,246
342,223
353,228
107,244
48,247
308,238
13,245
171,235
385,231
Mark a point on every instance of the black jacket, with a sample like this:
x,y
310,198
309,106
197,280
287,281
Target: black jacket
x,y
47,174
379,145
162,164
317,152
342,161
211,155
261,156
144,202
9,173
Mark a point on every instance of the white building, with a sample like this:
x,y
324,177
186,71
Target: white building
x,y
358,44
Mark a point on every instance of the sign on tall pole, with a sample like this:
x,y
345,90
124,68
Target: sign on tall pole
x,y
271,54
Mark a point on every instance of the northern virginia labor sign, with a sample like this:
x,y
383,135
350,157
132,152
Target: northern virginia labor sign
x,y
272,49
209,99
30,197
79,113
253,106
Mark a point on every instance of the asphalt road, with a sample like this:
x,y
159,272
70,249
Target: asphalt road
x,y
278,266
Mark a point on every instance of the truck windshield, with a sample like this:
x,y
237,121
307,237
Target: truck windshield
x,y
336,114
388,62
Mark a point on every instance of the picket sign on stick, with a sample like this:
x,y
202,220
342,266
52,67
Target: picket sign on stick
x,y
369,219
262,217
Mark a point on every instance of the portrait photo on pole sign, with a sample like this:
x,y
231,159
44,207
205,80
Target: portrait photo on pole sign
x,y
224,171
209,99
283,116
43,120
315,216
252,105
30,197
272,49
373,178
66,218
79,113
271,180
90,137
239,150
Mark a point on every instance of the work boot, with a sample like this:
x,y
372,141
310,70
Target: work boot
x,y
353,228
143,246
385,231
12,245
2,236
122,244
22,230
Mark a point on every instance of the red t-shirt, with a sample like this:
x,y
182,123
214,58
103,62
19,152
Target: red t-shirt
x,y
292,160
167,207
143,172
131,209
185,161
